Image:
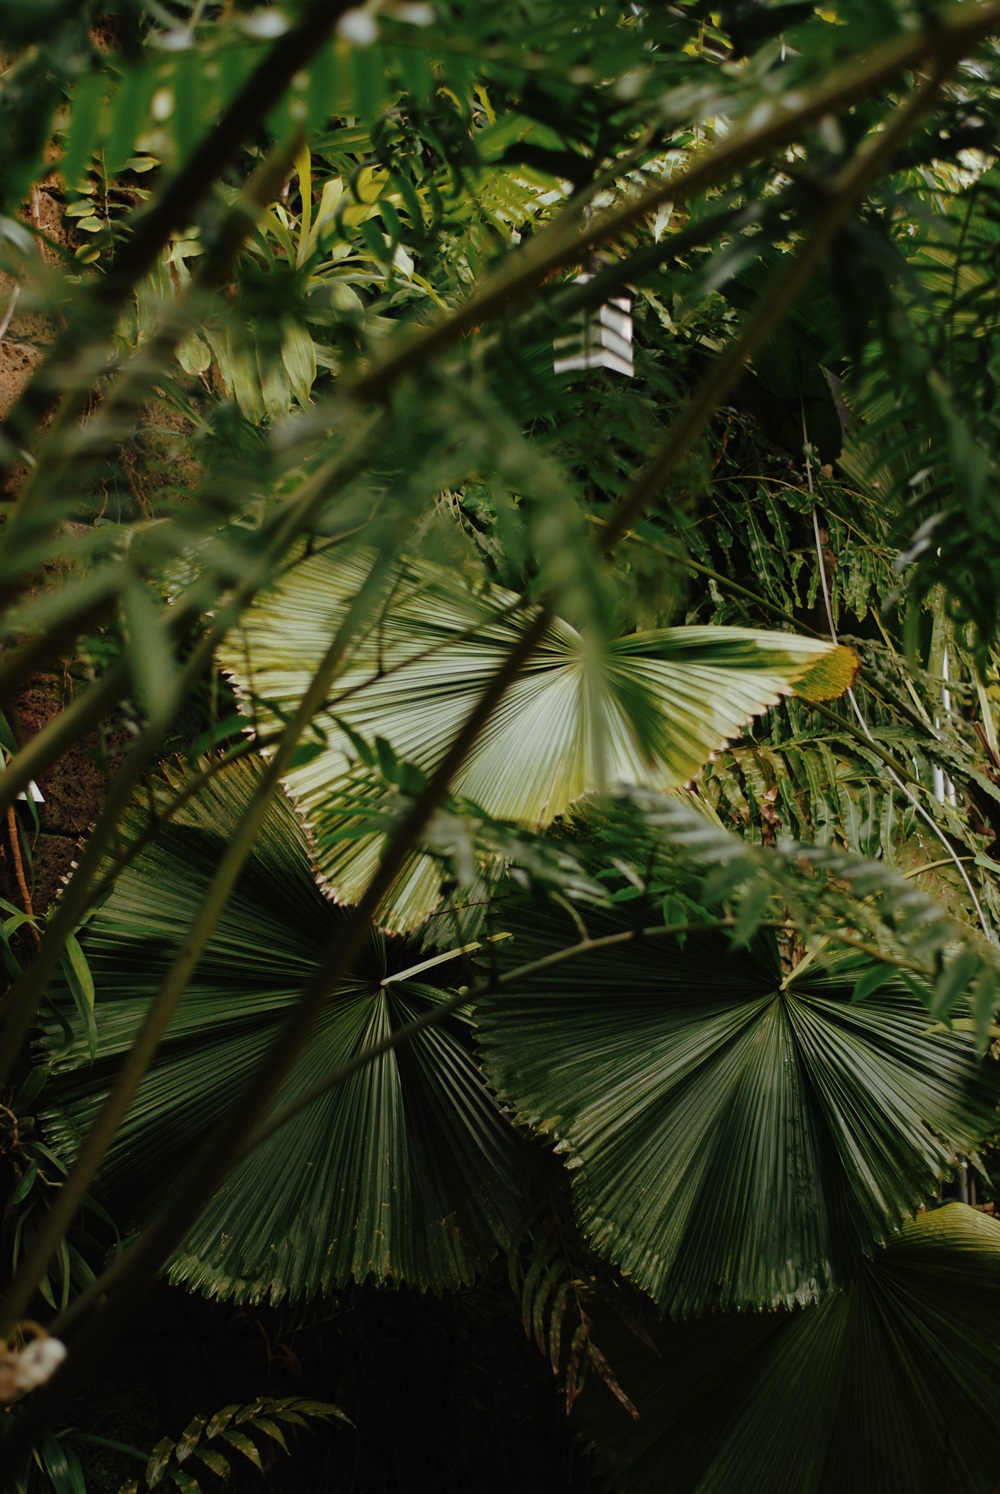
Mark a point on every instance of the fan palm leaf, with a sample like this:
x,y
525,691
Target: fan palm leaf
x,y
583,714
406,1170
886,1388
734,1142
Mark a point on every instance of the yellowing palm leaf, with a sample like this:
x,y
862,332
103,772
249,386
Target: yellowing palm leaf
x,y
584,714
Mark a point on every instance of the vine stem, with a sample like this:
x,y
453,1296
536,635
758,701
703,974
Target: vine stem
x,y
894,773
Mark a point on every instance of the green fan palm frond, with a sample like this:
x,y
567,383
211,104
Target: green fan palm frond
x,y
889,1386
406,1170
584,713
732,1143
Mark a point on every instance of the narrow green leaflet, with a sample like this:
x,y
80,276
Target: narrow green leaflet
x,y
889,1386
584,713
732,1144
407,1170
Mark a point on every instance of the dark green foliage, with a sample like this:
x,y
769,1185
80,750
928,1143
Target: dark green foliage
x,y
210,1442
294,415
338,1195
887,1386
737,1137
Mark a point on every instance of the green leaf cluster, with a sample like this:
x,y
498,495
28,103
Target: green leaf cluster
x,y
539,876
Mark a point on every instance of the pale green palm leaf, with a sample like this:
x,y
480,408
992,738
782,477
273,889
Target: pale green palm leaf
x,y
584,713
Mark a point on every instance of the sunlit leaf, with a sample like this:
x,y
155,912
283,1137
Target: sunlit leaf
x,y
647,708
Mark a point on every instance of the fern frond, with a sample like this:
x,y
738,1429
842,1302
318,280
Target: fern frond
x,y
555,1280
211,1440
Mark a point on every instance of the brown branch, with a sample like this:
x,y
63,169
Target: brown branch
x,y
14,840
